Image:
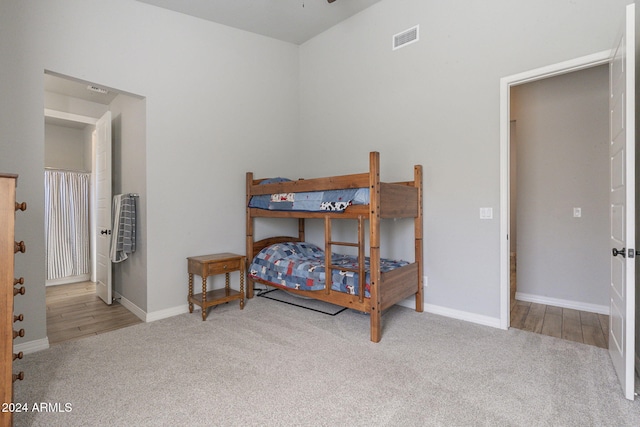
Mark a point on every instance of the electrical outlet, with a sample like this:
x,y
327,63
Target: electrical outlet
x,y
577,212
425,281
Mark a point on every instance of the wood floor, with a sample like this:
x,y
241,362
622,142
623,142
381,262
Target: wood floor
x,y
565,323
74,311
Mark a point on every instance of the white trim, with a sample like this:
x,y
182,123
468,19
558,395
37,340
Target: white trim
x,y
557,302
140,313
462,315
505,86
169,312
48,112
68,280
31,346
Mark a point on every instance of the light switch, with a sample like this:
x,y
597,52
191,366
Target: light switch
x,y
486,213
577,212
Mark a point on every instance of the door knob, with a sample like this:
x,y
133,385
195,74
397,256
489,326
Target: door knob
x,y
616,252
108,232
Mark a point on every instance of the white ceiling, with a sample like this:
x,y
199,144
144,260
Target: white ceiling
x,y
294,21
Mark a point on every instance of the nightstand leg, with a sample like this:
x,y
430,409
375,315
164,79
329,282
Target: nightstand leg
x,y
190,292
204,298
242,288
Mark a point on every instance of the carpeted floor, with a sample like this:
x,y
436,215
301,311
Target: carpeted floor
x,y
272,364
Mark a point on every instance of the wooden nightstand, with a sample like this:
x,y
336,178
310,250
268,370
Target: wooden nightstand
x,y
208,265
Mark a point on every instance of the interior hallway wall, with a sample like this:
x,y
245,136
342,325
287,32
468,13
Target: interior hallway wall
x,y
562,164
129,176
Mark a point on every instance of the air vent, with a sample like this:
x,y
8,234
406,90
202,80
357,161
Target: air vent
x,y
97,89
406,37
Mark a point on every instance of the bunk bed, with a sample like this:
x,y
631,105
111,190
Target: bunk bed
x,y
375,284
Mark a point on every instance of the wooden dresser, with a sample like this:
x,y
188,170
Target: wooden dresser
x,y
10,287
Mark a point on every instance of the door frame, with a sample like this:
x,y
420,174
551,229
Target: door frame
x,y
91,121
506,83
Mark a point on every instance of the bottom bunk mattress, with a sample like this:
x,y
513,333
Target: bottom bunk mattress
x,y
301,265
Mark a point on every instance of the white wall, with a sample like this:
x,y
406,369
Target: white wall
x,y
436,102
563,162
129,176
219,102
64,148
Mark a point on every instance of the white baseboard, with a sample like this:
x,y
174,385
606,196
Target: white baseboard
x,y
153,316
140,313
463,315
68,280
455,314
31,346
557,302
169,312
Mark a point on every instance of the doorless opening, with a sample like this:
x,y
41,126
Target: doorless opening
x,y
78,100
506,84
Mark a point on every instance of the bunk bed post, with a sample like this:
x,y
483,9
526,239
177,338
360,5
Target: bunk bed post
x,y
301,229
249,239
374,244
328,269
361,259
417,182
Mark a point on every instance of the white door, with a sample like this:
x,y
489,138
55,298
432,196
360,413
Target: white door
x,y
622,204
102,232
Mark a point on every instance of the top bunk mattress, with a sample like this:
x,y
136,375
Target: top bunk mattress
x,y
301,265
312,201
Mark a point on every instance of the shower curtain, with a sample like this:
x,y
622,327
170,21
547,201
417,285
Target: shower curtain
x,y
66,214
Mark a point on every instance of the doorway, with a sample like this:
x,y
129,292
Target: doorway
x,y
73,309
559,205
507,84
67,185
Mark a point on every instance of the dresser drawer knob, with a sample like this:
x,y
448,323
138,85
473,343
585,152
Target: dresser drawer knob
x,y
19,281
19,247
20,291
18,377
19,333
21,206
18,318
17,356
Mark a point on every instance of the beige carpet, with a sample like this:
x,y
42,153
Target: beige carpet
x,y
272,364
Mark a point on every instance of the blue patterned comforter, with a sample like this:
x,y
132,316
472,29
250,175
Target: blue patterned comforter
x,y
300,265
314,201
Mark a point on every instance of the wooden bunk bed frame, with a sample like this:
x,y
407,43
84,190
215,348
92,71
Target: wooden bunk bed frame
x,y
386,200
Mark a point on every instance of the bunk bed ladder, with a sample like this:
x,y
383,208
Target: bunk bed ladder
x,y
329,267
